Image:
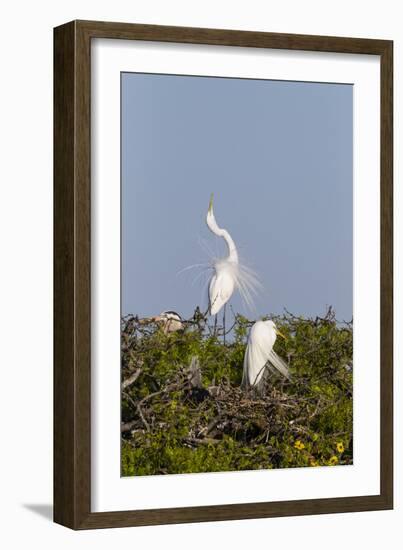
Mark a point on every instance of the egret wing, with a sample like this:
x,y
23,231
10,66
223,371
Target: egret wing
x,y
257,353
279,364
220,291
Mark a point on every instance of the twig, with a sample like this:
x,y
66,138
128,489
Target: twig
x,y
223,322
138,409
129,381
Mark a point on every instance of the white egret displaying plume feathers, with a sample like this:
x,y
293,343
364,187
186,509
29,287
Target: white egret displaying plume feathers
x,y
259,354
229,273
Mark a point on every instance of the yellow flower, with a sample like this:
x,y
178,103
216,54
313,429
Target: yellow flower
x,y
334,460
340,447
313,463
299,445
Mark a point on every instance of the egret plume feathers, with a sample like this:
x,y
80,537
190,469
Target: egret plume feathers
x,y
229,273
259,354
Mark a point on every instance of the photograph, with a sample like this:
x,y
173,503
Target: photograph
x,y
236,274
200,316
223,274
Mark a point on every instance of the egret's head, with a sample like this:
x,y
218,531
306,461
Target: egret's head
x,y
279,333
210,206
210,219
272,324
210,213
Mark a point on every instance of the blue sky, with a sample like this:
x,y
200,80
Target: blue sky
x,y
278,157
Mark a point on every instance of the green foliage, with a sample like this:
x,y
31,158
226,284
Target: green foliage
x,y
169,426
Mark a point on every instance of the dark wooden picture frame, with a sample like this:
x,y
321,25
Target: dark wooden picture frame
x,y
72,268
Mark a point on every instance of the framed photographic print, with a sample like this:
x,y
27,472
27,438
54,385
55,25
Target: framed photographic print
x,y
223,274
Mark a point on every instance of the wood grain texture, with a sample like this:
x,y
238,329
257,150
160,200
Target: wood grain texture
x,y
72,268
72,296
387,273
220,37
64,383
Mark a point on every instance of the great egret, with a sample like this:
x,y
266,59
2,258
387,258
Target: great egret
x,y
229,274
259,354
170,321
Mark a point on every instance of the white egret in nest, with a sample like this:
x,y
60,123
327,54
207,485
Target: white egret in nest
x,y
260,356
229,274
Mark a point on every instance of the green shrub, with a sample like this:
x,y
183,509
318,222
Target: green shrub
x,y
170,427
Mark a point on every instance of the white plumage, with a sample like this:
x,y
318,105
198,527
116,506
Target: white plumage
x,y
259,354
229,273
221,286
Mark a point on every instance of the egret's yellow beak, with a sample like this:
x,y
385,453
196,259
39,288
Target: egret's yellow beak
x,y
281,334
210,206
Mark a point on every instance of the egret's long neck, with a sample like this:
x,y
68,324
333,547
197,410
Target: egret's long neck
x,y
212,225
232,251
